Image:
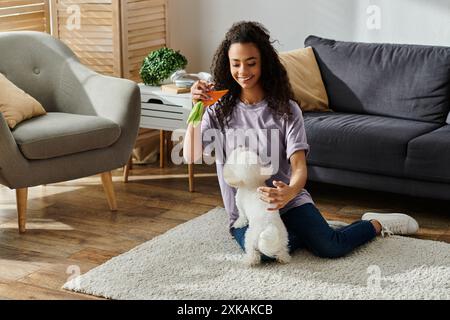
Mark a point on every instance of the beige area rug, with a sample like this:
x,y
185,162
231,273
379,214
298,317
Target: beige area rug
x,y
200,260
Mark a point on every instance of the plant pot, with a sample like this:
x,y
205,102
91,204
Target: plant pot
x,y
166,81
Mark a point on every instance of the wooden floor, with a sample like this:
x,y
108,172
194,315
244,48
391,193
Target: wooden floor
x,y
70,229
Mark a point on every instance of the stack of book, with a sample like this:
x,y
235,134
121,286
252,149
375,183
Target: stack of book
x,y
172,88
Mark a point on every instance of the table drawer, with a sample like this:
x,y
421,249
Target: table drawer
x,y
163,117
162,124
163,111
166,100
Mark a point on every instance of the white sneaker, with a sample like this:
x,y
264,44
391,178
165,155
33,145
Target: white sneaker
x,y
393,223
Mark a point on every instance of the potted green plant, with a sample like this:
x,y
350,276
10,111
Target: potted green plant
x,y
159,64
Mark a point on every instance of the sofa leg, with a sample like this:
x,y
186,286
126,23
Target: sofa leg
x,y
21,200
109,190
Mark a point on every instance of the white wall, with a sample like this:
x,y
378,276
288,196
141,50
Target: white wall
x,y
198,26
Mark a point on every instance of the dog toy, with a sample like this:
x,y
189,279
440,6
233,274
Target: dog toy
x,y
195,117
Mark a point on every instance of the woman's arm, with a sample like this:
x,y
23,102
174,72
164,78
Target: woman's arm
x,y
284,193
192,145
299,172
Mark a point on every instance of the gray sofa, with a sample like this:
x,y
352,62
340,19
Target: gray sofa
x,y
90,128
390,129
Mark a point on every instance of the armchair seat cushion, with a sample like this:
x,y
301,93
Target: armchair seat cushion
x,y
57,134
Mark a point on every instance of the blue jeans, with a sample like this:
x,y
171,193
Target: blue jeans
x,y
308,229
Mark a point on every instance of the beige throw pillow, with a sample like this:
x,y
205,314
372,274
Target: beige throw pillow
x,y
306,81
16,105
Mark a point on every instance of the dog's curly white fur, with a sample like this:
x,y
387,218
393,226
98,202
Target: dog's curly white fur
x,y
266,233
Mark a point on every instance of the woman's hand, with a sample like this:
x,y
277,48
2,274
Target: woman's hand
x,y
200,89
279,196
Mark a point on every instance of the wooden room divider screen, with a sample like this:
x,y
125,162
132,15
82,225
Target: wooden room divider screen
x,y
111,36
18,15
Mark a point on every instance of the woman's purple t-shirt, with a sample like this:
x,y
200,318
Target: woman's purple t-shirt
x,y
255,127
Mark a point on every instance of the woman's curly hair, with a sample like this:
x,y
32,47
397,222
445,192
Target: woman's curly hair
x,y
274,79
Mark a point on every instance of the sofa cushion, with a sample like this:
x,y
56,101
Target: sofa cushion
x,y
366,143
429,156
57,134
305,79
404,81
16,105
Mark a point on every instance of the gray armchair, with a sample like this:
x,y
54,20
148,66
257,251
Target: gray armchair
x,y
90,128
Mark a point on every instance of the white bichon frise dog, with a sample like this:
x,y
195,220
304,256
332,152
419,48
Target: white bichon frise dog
x,y
266,233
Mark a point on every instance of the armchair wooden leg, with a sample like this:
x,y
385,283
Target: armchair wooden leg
x,y
21,199
109,190
126,169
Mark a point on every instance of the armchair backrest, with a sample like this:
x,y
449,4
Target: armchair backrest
x,y
34,61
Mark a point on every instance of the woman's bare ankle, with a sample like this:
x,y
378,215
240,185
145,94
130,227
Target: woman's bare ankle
x,y
376,225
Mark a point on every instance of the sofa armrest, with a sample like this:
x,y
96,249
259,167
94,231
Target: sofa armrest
x,y
83,91
11,159
116,99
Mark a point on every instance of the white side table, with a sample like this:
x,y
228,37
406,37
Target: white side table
x,y
165,112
